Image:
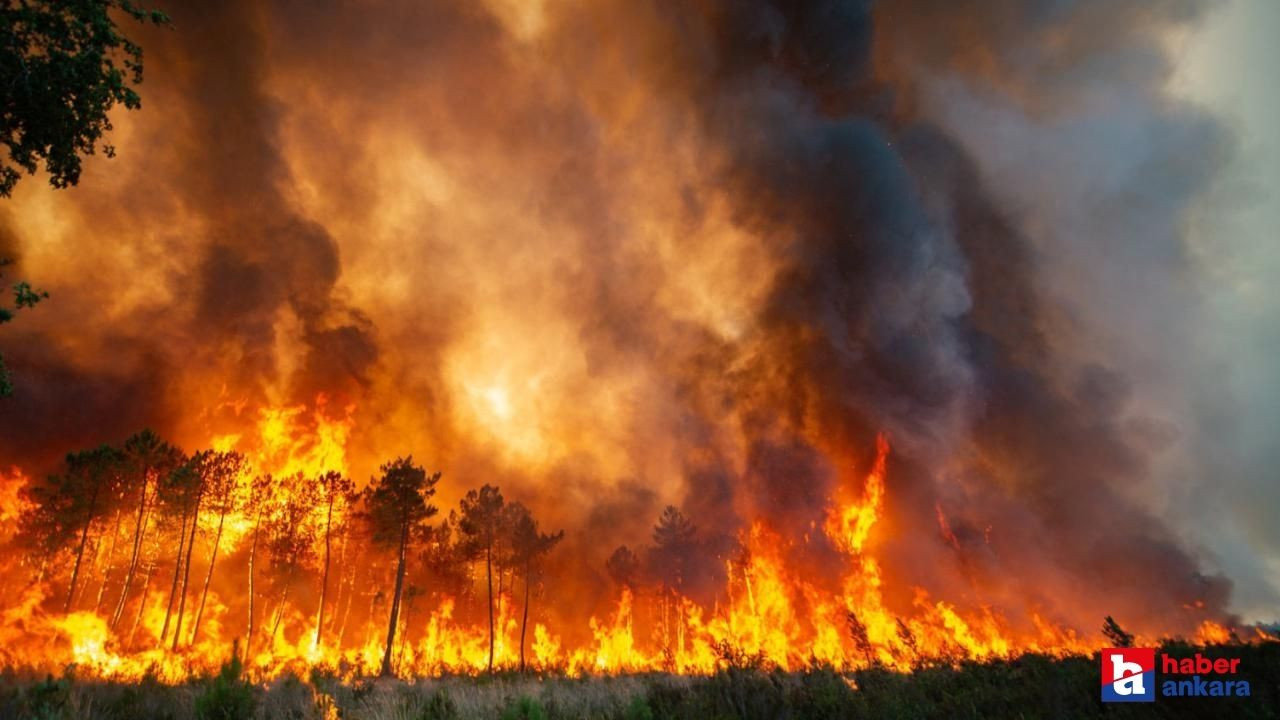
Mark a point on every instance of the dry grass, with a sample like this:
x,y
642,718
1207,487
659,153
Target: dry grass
x,y
1029,686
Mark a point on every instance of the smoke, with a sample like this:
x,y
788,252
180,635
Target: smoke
x,y
617,256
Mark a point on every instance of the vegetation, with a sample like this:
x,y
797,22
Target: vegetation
x,y
227,696
24,297
1030,686
397,510
480,522
66,64
115,516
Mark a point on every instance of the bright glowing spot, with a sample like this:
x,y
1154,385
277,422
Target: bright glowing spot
x,y
498,401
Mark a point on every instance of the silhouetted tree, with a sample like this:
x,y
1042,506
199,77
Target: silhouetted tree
x,y
291,534
1116,634
445,559
203,468
61,509
180,496
65,65
49,524
623,567
527,546
259,507
147,459
336,492
92,482
674,541
397,507
222,472
480,522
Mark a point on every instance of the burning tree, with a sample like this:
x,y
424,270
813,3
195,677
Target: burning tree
x,y
623,567
148,460
181,495
291,535
674,541
527,546
481,524
259,508
64,508
397,507
221,471
336,491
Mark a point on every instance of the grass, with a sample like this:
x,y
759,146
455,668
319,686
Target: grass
x,y
1029,687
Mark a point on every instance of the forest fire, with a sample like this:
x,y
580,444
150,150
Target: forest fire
x,y
275,557
730,338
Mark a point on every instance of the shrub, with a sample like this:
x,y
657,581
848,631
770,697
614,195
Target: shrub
x,y
228,696
50,699
639,709
524,708
439,707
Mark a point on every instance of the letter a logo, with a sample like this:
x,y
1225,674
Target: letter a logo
x,y
1128,675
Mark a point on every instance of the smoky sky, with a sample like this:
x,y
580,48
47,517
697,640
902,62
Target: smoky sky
x,y
620,255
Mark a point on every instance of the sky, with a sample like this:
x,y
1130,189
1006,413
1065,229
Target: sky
x,y
1230,64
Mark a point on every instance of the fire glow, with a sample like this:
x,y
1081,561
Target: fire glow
x,y
731,296
767,613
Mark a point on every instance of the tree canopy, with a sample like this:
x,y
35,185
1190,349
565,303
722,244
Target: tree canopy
x,y
64,64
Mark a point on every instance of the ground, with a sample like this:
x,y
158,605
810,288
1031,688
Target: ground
x,y
1028,687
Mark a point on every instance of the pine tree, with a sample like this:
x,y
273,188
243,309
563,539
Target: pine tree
x,y
397,508
527,546
481,524
336,493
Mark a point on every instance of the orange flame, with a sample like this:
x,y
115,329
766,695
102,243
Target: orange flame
x,y
770,612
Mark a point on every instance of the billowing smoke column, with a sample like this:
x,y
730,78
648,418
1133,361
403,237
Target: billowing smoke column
x,y
620,255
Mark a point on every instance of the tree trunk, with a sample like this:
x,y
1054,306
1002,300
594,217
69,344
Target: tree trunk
x,y
84,537
186,573
138,529
142,604
94,551
339,599
404,633
324,581
111,564
284,597
177,572
488,566
395,602
253,552
204,594
524,621
350,596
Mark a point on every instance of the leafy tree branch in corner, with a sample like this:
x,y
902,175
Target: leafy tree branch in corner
x,y
64,64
